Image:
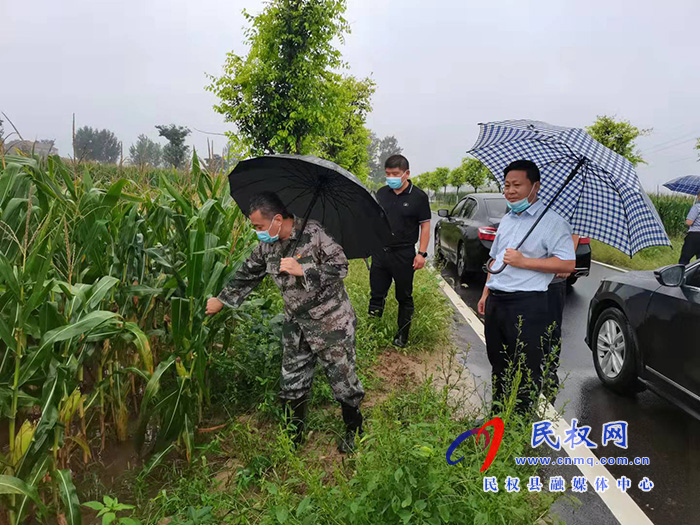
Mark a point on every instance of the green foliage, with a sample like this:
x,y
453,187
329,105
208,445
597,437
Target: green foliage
x,y
175,152
145,152
458,177
619,136
399,475
646,259
440,178
287,95
378,151
673,209
475,173
93,277
347,138
108,510
96,145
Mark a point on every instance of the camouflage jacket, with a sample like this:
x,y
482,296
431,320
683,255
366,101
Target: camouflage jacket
x,y
318,292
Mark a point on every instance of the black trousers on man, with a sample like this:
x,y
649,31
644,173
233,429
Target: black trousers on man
x,y
516,327
393,264
557,299
691,248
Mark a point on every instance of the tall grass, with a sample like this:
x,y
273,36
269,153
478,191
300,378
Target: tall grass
x,y
673,209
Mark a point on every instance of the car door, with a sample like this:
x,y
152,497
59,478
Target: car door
x,y
672,351
470,227
449,231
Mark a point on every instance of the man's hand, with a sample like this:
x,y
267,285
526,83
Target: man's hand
x,y
291,266
514,258
481,306
214,306
563,275
418,262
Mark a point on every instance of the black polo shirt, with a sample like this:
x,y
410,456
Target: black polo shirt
x,y
405,212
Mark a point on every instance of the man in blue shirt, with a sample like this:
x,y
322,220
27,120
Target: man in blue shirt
x,y
514,301
691,245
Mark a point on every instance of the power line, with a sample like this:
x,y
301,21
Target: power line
x,y
682,138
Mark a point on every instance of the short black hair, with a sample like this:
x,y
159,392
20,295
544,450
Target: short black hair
x,y
529,167
396,161
268,204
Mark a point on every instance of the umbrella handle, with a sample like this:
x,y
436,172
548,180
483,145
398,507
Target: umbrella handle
x,y
293,247
487,267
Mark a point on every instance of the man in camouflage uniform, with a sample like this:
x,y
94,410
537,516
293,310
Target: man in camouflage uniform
x,y
319,319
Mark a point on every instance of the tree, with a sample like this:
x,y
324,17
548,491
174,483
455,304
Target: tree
x,y
458,177
425,181
441,178
619,136
347,138
288,95
175,153
475,173
145,152
697,146
99,146
379,150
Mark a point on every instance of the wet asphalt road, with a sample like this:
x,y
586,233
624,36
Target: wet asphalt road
x,y
666,435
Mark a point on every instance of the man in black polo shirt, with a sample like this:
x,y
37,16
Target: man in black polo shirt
x,y
408,211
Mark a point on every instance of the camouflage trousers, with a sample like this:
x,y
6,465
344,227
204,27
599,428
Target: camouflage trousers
x,y
331,341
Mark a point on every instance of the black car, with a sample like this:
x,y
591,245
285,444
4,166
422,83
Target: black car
x,y
464,235
644,331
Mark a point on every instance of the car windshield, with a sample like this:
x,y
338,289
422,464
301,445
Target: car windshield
x,y
495,208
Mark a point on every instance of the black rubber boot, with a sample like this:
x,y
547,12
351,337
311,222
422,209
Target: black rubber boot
x,y
353,427
401,337
295,411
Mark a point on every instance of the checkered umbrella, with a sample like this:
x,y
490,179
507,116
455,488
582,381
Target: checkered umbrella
x,y
591,186
689,184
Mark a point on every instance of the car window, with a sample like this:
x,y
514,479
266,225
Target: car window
x,y
457,209
495,208
693,277
469,209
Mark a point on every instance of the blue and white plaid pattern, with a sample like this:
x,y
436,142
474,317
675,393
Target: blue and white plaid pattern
x,y
689,184
604,201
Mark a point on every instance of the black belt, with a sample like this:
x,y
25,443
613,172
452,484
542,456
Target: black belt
x,y
499,293
396,247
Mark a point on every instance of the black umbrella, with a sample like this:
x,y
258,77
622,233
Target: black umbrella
x,y
318,189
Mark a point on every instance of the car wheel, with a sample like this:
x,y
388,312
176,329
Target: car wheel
x,y
615,352
571,281
461,264
439,256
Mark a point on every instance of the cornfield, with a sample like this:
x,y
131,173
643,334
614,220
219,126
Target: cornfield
x,y
103,287
673,209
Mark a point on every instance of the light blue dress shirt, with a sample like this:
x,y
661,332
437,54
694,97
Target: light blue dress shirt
x,y
551,238
694,215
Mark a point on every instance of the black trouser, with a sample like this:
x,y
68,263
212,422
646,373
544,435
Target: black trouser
x,y
557,300
691,247
393,264
516,327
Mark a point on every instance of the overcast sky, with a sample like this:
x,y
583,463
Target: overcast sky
x,y
441,67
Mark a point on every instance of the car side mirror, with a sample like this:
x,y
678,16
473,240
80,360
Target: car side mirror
x,y
672,276
444,213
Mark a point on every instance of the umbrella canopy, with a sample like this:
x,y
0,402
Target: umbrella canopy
x,y
318,189
591,186
689,184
